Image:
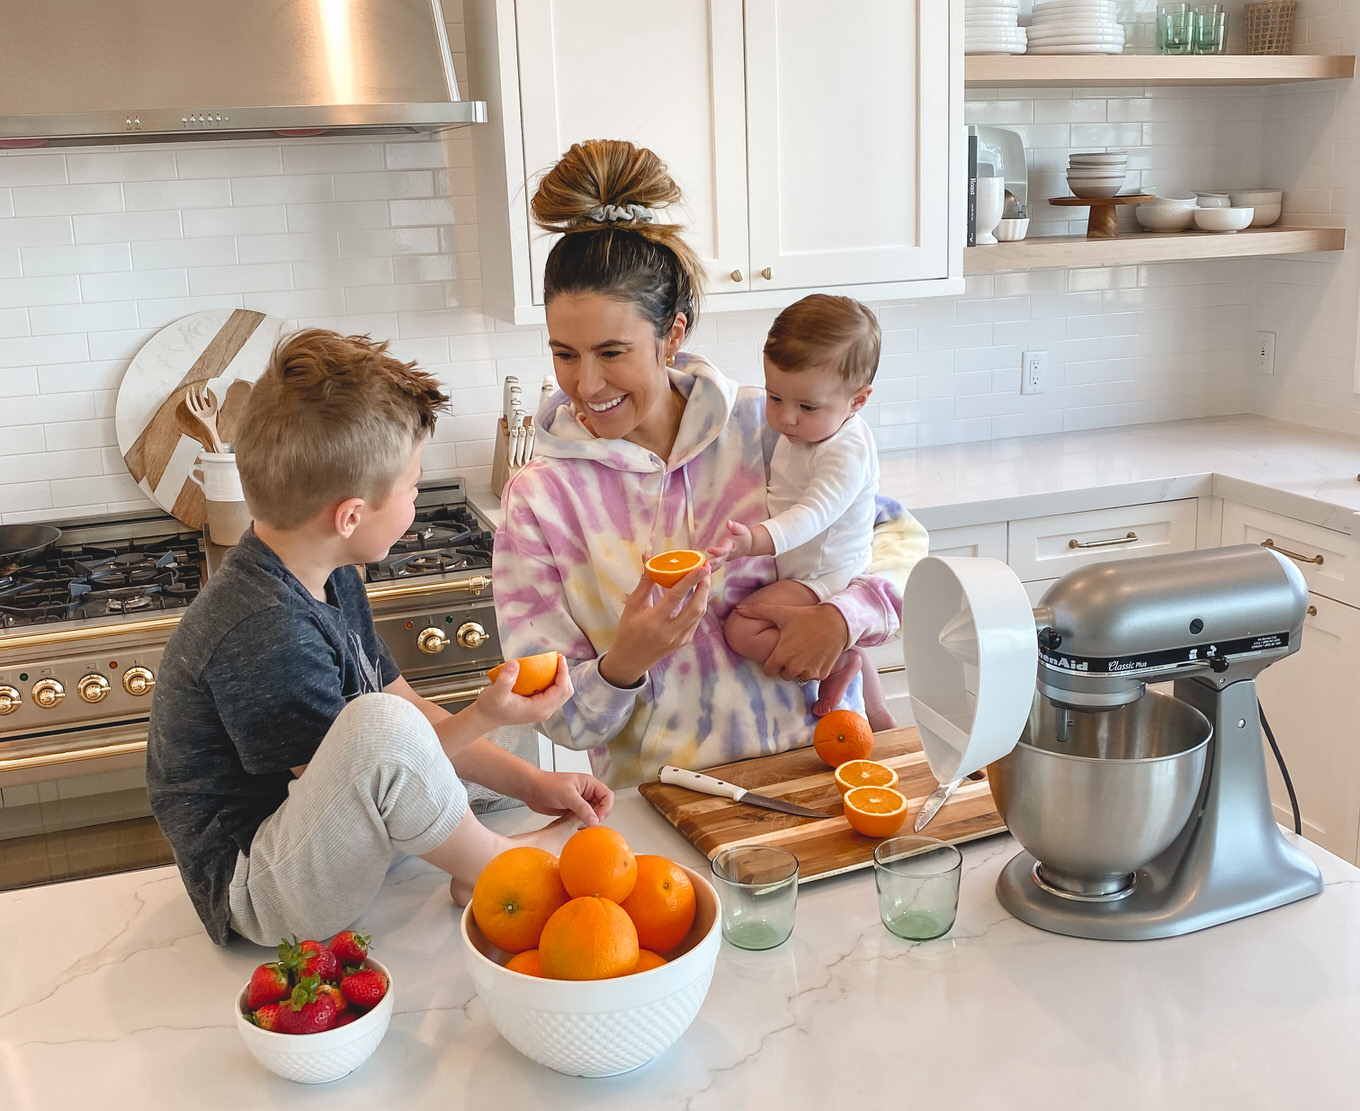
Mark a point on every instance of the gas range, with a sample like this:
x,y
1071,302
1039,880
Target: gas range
x,y
82,629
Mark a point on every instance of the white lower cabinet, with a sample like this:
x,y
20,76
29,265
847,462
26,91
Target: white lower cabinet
x,y
1312,698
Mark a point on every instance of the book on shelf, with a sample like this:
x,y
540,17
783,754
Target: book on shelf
x,y
972,189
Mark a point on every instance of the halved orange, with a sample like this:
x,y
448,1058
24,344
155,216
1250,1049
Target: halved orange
x,y
864,773
875,811
536,673
668,568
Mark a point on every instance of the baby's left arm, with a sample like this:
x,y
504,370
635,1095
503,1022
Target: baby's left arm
x,y
740,541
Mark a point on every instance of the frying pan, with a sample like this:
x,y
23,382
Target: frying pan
x,y
22,544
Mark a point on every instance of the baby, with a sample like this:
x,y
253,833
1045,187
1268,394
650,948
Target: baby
x,y
820,358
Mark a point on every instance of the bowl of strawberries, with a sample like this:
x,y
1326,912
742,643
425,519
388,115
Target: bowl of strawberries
x,y
317,1012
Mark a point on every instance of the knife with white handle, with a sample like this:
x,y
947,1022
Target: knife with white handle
x,y
511,383
697,781
517,438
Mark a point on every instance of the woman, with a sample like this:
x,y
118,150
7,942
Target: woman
x,y
646,448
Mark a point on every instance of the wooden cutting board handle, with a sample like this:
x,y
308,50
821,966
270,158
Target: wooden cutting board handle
x,y
150,453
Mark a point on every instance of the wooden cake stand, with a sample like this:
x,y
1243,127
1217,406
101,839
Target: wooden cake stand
x,y
1103,222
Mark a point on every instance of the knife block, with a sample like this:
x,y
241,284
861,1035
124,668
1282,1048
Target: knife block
x,y
501,469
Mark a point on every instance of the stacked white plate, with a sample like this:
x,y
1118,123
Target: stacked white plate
x,y
1099,174
991,27
1075,27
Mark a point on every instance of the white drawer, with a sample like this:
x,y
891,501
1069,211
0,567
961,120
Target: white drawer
x,y
1049,547
970,540
1329,560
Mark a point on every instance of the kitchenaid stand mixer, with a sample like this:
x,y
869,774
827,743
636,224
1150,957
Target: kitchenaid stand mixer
x,y
1211,621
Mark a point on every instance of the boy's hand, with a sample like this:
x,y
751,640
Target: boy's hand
x,y
502,706
575,793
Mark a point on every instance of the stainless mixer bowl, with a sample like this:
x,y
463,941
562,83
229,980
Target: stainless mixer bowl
x,y
1096,807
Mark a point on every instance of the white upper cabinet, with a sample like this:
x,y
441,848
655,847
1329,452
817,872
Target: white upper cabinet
x,y
818,144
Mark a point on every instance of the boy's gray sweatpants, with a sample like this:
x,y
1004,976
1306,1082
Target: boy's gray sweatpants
x,y
380,785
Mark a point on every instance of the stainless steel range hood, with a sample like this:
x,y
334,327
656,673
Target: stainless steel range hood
x,y
81,72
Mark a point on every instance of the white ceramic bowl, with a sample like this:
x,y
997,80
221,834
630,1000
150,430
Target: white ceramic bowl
x,y
600,1027
1088,188
1214,200
1010,230
318,1058
1164,217
1267,204
1222,219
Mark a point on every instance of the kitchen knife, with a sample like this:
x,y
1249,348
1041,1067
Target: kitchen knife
x,y
506,407
706,784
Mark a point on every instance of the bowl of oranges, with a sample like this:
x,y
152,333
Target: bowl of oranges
x,y
594,961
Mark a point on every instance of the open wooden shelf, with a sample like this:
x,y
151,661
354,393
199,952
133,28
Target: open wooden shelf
x,y
1062,251
1077,70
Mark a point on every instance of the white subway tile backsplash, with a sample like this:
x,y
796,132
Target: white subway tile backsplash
x,y
232,160
298,246
138,285
48,200
259,220
183,253
284,189
145,196
338,216
384,185
341,272
126,227
24,168
143,164
35,231
64,319
209,280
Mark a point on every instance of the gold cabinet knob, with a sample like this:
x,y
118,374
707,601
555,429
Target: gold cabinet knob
x,y
48,692
767,273
138,681
9,700
93,688
432,641
472,635
738,276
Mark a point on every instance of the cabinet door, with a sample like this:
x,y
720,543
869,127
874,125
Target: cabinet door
x,y
848,128
1312,704
665,76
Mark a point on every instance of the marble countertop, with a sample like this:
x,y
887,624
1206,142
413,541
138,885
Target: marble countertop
x,y
113,997
1285,468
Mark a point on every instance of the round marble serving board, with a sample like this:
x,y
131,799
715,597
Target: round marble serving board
x,y
220,346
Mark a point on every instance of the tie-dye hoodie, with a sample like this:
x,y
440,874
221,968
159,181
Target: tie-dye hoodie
x,y
578,522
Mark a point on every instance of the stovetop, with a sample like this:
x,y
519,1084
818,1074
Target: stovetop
x,y
125,565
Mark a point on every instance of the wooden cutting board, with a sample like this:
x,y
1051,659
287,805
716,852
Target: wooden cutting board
x,y
221,346
823,846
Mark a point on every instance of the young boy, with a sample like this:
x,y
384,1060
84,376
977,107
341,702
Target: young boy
x,y
821,355
288,762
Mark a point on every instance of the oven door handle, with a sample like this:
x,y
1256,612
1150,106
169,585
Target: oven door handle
x,y
466,691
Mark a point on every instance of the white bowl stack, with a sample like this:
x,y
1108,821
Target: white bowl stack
x,y
1097,174
992,27
1075,27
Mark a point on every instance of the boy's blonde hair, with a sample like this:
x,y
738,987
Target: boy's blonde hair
x,y
332,417
829,333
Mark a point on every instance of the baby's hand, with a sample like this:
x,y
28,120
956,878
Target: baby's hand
x,y
734,545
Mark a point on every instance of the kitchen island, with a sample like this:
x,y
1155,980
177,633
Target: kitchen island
x,y
113,997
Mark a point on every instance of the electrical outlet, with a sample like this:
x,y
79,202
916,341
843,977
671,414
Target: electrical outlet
x,y
1034,372
1265,352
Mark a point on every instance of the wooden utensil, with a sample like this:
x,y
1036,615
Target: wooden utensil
x,y
203,406
826,846
189,424
232,407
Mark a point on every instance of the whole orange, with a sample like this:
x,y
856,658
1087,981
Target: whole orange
x,y
843,735
597,861
588,938
515,895
536,673
875,811
648,960
668,568
662,904
527,962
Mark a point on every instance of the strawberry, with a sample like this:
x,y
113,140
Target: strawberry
x,y
267,1016
307,1011
351,947
268,984
318,961
333,990
346,1018
364,988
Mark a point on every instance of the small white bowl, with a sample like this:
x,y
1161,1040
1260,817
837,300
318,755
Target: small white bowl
x,y
1164,217
600,1027
1091,189
1214,200
318,1058
1011,229
1268,204
1222,219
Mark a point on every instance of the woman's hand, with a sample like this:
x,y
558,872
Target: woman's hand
x,y
649,632
500,705
811,638
575,793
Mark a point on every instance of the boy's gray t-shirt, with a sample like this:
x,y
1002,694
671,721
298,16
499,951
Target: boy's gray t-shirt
x,y
250,681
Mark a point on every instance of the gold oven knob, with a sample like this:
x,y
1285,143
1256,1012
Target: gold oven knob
x,y
138,680
432,641
48,692
472,635
9,700
93,688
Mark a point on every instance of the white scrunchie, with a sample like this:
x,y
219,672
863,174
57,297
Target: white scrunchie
x,y
619,213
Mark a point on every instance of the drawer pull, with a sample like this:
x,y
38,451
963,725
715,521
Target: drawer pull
x,y
1269,543
1128,539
